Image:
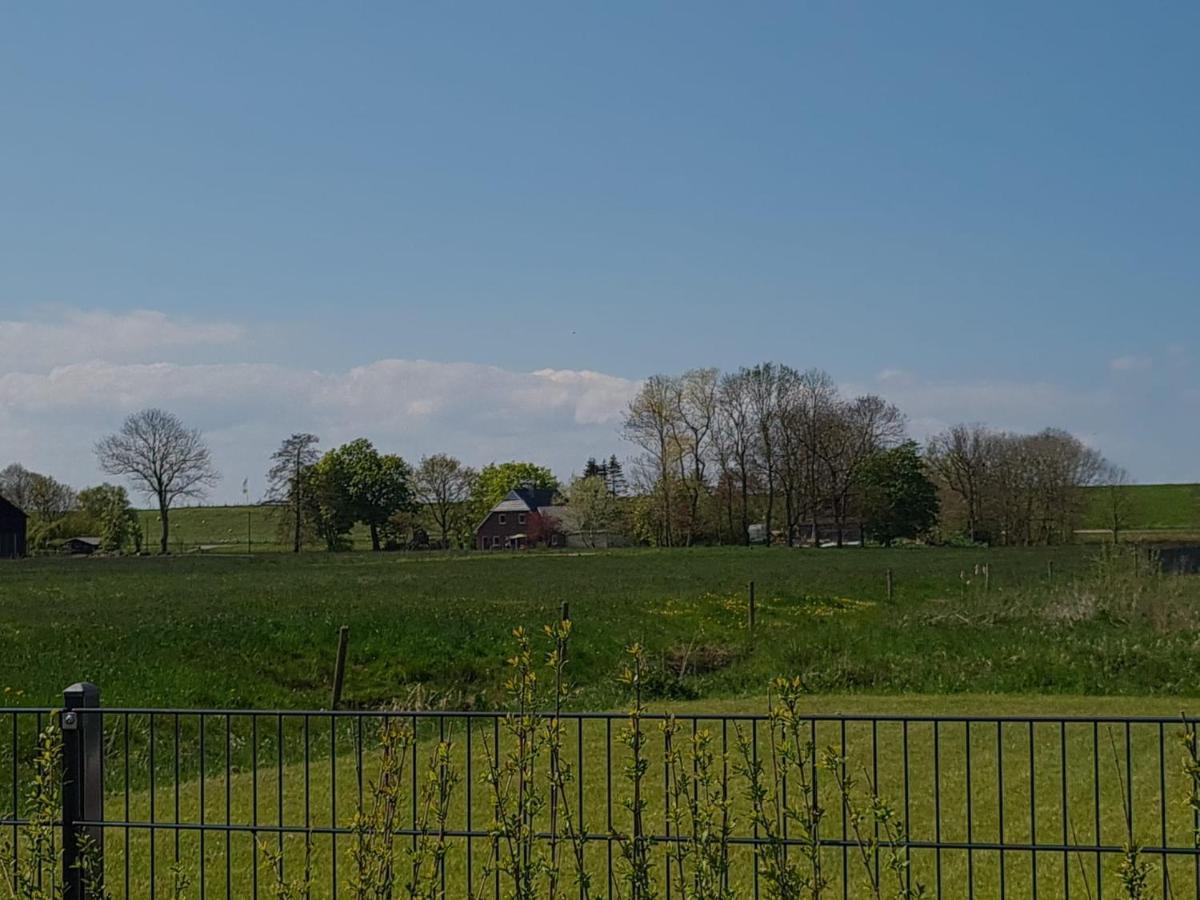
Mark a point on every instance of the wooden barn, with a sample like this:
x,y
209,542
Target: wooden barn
x,y
12,530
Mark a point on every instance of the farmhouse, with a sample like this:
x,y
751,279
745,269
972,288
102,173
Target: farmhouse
x,y
526,517
12,530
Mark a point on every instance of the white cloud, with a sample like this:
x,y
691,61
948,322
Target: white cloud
x,y
50,420
1130,364
67,335
67,380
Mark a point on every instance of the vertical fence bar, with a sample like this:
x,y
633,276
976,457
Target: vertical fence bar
x,y
82,792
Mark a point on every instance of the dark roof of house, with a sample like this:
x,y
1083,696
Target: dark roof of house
x,y
525,499
11,508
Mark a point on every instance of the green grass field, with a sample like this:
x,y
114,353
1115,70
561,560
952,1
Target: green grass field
x,y
1046,632
261,631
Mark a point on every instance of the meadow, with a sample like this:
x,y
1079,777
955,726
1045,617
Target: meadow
x,y
260,631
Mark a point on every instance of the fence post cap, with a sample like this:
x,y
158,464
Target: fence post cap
x,y
82,694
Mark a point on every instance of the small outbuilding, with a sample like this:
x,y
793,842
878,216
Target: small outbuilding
x,y
81,546
13,524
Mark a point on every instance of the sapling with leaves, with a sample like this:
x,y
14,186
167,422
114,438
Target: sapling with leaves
x,y
875,827
634,845
798,809
699,814
373,852
34,874
428,862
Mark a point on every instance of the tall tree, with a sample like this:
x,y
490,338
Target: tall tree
x,y
861,428
963,457
16,485
444,485
163,459
696,398
592,506
898,498
737,432
763,384
285,481
651,422
377,485
615,476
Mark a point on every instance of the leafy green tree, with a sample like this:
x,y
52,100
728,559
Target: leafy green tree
x,y
495,480
328,514
898,498
374,485
107,510
593,508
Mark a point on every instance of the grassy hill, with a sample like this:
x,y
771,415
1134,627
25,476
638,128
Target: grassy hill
x,y
1152,508
227,528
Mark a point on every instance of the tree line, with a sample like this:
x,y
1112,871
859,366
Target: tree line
x,y
786,449
766,447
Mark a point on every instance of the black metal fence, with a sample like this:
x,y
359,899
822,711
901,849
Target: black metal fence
x,y
236,803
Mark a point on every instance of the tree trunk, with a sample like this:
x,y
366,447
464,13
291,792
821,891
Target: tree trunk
x,y
299,513
166,526
375,537
745,509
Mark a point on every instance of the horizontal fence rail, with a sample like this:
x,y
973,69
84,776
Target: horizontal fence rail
x,y
236,803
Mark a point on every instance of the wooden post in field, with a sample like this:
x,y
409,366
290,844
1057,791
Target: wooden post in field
x,y
889,583
750,615
987,577
1050,569
339,669
564,614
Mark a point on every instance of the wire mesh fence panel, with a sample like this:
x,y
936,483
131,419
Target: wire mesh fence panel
x,y
238,803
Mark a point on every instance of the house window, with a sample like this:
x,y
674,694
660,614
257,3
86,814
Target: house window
x,y
501,518
520,518
495,542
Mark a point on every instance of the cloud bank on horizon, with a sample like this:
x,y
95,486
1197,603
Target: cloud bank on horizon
x,y
68,376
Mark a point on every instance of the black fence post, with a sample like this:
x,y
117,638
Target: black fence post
x,y
82,792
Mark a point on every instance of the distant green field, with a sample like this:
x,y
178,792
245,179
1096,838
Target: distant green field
x,y
1151,508
227,529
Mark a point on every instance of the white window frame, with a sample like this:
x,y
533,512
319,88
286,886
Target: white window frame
x,y
520,518
501,519
495,542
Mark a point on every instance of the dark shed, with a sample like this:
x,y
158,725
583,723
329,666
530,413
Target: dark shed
x,y
12,530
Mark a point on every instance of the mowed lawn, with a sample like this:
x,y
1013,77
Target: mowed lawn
x,y
986,782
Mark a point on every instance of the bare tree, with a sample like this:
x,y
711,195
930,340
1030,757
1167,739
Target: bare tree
x,y
16,485
161,457
45,498
763,382
736,425
961,457
444,485
696,399
1116,483
286,481
862,428
651,423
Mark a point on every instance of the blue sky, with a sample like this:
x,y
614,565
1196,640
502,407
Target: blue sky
x,y
982,212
